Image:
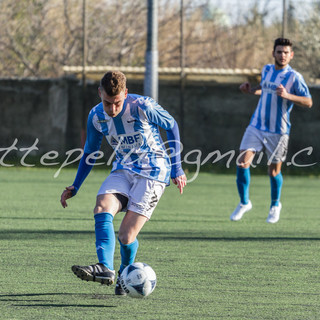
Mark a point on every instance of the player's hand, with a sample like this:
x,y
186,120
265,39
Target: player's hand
x,y
281,91
66,194
181,182
245,87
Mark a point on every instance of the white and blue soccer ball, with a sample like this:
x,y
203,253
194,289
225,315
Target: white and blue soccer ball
x,y
138,280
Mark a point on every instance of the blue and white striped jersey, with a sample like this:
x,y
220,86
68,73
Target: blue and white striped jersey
x,y
273,112
134,135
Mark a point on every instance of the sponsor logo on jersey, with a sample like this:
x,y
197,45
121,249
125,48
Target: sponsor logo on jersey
x,y
126,141
269,87
113,141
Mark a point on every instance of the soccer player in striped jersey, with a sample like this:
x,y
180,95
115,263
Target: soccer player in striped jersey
x,y
280,88
140,172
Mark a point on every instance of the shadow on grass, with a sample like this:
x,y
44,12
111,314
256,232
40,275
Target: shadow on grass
x,y
25,234
47,218
29,302
65,306
179,236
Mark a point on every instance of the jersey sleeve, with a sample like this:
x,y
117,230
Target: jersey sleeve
x,y
263,72
94,137
300,87
83,171
174,145
156,114
93,143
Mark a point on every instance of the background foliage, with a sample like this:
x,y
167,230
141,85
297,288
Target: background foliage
x,y
39,37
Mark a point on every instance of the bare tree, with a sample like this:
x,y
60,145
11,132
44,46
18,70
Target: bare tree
x,y
39,37
307,46
117,32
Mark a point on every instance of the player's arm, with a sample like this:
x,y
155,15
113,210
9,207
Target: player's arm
x,y
83,171
301,101
163,119
92,145
246,88
177,174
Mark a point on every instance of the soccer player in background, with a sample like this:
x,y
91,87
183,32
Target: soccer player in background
x,y
139,174
280,88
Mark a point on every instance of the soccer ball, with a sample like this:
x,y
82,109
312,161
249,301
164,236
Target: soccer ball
x,y
138,280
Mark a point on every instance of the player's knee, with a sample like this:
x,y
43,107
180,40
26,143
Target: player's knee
x,y
98,209
101,205
273,172
244,163
125,237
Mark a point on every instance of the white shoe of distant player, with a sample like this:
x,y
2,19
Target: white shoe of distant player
x,y
274,214
240,210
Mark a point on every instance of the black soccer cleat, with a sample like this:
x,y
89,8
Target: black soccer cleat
x,y
118,289
96,272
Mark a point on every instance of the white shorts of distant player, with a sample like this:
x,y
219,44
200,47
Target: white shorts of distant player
x,y
275,145
143,194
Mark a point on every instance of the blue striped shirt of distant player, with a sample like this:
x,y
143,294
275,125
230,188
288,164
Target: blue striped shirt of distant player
x,y
273,112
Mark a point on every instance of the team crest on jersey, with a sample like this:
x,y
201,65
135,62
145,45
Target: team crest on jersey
x,y
126,141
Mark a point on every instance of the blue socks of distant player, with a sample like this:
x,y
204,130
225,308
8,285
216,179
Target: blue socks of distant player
x,y
276,185
243,182
105,238
128,253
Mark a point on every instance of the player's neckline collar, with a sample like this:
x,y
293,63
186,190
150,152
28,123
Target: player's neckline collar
x,y
281,70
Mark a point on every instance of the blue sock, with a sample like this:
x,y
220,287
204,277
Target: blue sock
x,y
276,185
243,182
105,238
128,253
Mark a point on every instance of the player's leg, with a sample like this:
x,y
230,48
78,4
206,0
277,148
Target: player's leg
x,y
276,181
107,205
243,183
109,202
243,175
143,198
276,148
129,229
250,144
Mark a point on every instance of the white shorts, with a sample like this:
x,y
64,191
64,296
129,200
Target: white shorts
x,y
275,145
143,194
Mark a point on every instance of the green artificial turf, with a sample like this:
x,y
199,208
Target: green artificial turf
x,y
207,266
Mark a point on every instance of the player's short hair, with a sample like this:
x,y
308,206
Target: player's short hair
x,y
113,83
282,42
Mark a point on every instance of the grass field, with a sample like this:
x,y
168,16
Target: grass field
x,y
207,266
